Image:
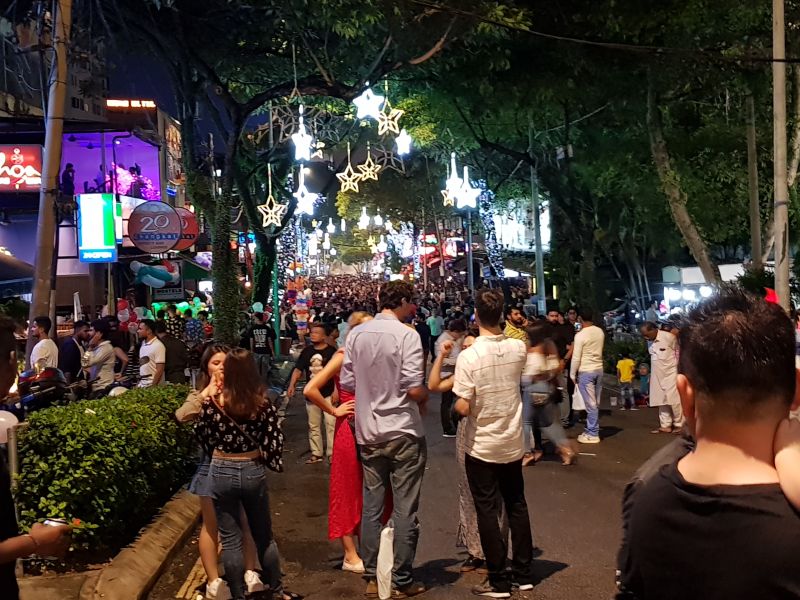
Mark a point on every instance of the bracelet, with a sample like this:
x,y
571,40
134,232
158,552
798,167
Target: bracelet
x,y
35,543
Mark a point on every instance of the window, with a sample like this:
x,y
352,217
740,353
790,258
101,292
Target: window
x,y
96,108
76,103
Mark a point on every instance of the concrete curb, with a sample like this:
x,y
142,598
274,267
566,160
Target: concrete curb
x,y
135,570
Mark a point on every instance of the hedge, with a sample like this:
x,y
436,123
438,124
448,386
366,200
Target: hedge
x,y
635,349
111,463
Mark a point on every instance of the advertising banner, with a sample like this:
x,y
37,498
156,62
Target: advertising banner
x,y
20,168
154,227
97,239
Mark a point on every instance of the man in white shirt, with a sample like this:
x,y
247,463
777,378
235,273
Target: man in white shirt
x,y
487,385
586,371
455,333
100,358
663,378
45,352
152,355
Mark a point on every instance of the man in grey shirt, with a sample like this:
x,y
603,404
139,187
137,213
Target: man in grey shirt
x,y
384,367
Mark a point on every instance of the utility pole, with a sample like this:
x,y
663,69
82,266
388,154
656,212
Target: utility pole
x,y
779,154
470,266
43,290
541,292
752,185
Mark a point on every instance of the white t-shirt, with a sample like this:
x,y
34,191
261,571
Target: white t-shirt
x,y
587,353
45,354
488,376
156,354
100,363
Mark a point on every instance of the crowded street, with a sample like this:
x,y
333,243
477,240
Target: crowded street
x,y
575,515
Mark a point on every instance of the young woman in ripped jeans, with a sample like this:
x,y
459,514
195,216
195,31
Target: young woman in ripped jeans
x,y
238,427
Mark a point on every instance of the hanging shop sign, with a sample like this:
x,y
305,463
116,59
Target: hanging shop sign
x,y
20,168
97,240
189,229
154,227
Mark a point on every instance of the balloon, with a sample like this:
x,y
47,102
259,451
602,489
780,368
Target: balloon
x,y
258,307
133,327
196,301
7,421
122,304
133,317
124,315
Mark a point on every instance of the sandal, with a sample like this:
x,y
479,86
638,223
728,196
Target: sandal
x,y
659,430
287,595
314,460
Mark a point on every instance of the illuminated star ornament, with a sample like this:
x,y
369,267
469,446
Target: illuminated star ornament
x,y
271,211
302,141
305,199
403,142
369,168
467,196
349,178
389,120
369,105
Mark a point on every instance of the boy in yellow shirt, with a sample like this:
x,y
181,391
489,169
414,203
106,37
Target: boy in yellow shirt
x,y
625,368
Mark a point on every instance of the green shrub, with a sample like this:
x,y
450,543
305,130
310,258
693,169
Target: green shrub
x,y
112,463
635,349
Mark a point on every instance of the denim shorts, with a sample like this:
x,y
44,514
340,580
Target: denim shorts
x,y
201,482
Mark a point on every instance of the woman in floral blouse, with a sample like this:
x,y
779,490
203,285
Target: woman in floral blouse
x,y
238,427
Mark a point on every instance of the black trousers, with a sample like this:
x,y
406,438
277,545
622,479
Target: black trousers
x,y
492,484
446,413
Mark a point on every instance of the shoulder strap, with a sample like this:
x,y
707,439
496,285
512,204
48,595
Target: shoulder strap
x,y
235,424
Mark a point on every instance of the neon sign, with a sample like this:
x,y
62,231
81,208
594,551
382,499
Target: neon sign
x,y
97,241
20,168
111,103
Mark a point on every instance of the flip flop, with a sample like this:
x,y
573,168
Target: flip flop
x,y
314,460
659,430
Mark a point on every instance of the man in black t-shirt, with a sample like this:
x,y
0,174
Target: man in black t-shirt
x,y
71,351
310,362
713,523
262,344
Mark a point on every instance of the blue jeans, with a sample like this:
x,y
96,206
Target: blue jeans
x,y
545,417
397,465
235,484
590,386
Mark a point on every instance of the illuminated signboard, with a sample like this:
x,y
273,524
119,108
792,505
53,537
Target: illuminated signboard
x,y
20,168
97,240
111,103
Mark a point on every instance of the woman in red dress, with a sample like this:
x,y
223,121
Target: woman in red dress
x,y
345,497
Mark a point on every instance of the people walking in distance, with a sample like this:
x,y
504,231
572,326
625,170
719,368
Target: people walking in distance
x,y
384,367
663,378
487,387
587,373
455,332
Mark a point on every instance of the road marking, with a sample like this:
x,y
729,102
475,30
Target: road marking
x,y
195,578
586,454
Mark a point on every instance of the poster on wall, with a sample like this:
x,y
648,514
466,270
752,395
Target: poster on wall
x,y
154,227
20,168
189,229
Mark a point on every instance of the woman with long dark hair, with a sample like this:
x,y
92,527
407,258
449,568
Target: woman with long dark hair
x,y
238,428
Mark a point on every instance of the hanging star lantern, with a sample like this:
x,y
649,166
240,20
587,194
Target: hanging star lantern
x,y
369,168
389,120
302,141
448,199
271,211
305,199
349,178
403,142
467,196
369,104
453,183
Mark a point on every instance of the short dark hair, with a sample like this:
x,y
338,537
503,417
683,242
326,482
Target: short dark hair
x,y
648,326
172,307
329,327
188,313
43,322
457,325
159,327
586,313
392,294
538,332
511,308
161,314
489,307
318,324
203,313
738,352
101,325
149,323
79,324
259,316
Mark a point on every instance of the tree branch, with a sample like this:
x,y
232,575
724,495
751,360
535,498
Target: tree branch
x,y
325,75
436,48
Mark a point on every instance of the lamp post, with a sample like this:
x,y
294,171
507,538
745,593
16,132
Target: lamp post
x,y
465,195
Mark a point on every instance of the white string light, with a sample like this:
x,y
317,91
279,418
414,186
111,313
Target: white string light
x,y
467,196
305,199
378,220
403,143
302,141
331,227
344,226
369,104
363,220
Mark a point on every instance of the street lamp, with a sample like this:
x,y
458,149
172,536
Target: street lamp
x,y
466,199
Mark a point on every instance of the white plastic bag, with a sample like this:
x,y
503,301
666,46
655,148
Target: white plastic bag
x,y
383,571
577,400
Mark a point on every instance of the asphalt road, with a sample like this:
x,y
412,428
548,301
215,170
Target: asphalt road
x,y
575,515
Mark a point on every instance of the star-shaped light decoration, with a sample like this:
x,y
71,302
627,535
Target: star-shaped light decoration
x,y
271,211
389,119
305,199
369,168
369,104
302,140
467,196
349,178
448,199
453,183
403,142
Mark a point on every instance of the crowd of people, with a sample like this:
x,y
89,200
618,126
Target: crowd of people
x,y
723,379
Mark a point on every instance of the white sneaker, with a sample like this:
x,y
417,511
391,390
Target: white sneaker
x,y
353,567
585,438
253,582
218,590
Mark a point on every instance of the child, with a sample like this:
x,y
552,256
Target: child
x,y
787,459
625,368
643,393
